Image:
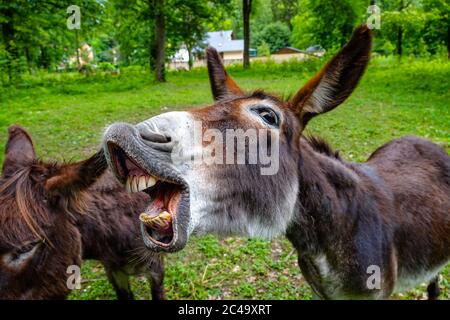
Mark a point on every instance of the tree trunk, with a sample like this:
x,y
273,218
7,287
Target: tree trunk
x,y
44,58
400,31
152,53
448,40
29,60
399,41
246,10
191,58
160,41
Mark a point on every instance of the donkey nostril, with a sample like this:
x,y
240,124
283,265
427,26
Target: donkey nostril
x,y
155,137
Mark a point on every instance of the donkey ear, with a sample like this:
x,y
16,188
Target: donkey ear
x,y
337,80
76,177
221,83
19,150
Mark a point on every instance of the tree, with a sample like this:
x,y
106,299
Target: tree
x,y
132,23
397,15
402,5
9,12
246,11
276,35
191,16
284,10
34,32
160,39
401,25
438,24
194,16
263,49
328,23
405,25
141,33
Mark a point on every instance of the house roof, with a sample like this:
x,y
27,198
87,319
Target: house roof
x,y
287,50
223,41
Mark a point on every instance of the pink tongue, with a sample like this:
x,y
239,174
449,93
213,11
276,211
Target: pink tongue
x,y
155,208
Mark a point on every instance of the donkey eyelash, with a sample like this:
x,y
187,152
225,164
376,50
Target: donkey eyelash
x,y
20,255
268,115
28,246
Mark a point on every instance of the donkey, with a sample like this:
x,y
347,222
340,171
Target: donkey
x,y
361,230
54,215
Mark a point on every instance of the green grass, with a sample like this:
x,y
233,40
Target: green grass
x,y
67,113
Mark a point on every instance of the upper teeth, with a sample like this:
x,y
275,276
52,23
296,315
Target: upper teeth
x,y
136,184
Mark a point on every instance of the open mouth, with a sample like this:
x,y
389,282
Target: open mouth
x,y
158,222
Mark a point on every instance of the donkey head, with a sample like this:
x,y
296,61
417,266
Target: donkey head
x,y
38,237
229,168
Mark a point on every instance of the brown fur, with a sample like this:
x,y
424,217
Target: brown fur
x,y
392,211
73,212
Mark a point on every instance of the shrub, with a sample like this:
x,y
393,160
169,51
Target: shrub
x,y
276,35
106,66
263,49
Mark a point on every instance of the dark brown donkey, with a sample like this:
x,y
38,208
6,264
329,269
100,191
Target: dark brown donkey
x,y
54,215
362,230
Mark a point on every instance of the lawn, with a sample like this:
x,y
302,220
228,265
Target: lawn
x,y
66,114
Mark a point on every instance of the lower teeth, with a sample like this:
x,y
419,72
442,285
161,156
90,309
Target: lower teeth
x,y
160,221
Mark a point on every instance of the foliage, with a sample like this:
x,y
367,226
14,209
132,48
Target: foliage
x,y
276,35
284,10
187,22
131,22
106,66
327,23
36,32
263,49
436,30
415,27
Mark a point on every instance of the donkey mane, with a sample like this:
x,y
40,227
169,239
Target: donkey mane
x,y
21,189
18,188
322,146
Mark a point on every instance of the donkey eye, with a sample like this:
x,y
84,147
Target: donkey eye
x,y
27,247
269,116
19,256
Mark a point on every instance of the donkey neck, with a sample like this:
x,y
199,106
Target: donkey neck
x,y
328,189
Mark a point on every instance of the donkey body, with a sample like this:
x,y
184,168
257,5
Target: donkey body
x,y
389,215
110,233
361,230
54,215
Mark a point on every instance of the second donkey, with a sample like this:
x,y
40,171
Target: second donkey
x,y
54,215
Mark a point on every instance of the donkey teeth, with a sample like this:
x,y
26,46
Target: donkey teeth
x,y
150,181
145,218
128,184
142,184
160,220
136,184
166,216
